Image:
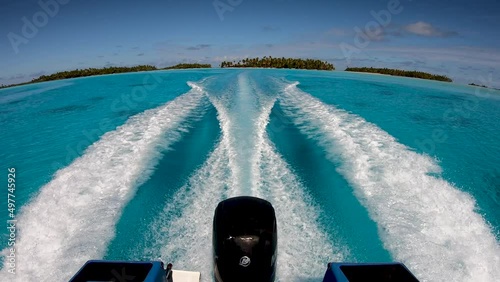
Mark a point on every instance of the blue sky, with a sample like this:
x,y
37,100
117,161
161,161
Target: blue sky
x,y
457,38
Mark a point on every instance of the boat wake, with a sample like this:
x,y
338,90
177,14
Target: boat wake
x,y
243,165
424,221
73,217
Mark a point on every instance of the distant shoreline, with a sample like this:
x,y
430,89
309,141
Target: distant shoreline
x,y
472,85
208,66
265,62
103,71
372,73
402,73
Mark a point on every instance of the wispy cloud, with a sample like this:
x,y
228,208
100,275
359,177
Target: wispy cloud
x,y
391,31
426,29
198,47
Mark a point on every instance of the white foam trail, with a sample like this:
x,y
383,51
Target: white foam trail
x,y
261,141
73,218
304,249
227,143
238,113
185,231
423,220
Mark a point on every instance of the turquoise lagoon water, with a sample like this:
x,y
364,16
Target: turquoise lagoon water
x,y
359,167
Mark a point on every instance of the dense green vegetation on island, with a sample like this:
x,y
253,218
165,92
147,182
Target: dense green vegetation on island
x,y
415,74
189,66
280,63
101,71
92,71
12,85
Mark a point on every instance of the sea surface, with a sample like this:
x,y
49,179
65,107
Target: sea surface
x,y
359,168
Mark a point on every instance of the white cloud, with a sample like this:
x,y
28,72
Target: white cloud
x,y
427,29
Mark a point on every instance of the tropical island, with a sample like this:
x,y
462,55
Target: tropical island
x,y
478,85
106,70
279,63
264,62
91,72
188,66
483,86
395,72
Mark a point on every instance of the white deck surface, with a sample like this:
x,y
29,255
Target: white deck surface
x,y
185,276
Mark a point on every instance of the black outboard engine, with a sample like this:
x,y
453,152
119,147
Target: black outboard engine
x,y
245,240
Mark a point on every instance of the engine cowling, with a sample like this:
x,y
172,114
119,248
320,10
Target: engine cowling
x,y
245,240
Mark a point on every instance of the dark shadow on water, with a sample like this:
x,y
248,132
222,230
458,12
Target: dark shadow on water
x,y
14,102
4,112
380,86
96,99
454,122
386,93
418,118
66,109
362,104
141,84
